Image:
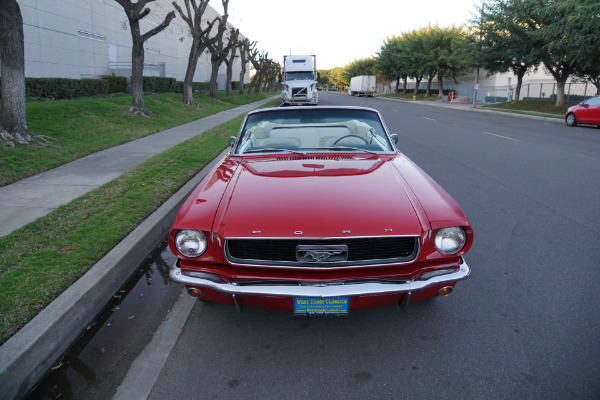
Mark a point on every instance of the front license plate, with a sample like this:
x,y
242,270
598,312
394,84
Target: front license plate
x,y
313,305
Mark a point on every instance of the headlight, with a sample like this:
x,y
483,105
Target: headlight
x,y
190,243
450,240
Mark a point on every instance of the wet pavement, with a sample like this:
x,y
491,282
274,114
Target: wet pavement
x,y
99,360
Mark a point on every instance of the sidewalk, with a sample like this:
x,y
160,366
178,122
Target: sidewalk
x,y
31,198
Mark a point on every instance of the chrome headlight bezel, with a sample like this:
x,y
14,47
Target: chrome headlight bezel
x,y
190,243
451,240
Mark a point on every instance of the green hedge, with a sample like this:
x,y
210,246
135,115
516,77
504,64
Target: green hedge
x,y
63,88
159,84
116,84
199,87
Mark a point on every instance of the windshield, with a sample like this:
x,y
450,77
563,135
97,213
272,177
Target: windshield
x,y
302,75
315,129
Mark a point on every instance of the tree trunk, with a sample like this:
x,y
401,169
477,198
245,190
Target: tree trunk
x,y
560,73
417,83
429,81
397,86
252,83
259,82
441,86
188,91
213,80
520,75
560,90
13,116
229,79
242,76
404,80
137,74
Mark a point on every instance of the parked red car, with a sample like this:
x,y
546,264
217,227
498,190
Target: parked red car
x,y
314,211
586,112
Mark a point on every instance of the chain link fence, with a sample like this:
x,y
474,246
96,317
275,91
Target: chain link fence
x,y
574,91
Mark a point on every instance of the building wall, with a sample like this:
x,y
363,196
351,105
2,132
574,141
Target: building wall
x,y
91,38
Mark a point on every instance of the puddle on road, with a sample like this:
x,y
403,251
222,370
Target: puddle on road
x,y
99,360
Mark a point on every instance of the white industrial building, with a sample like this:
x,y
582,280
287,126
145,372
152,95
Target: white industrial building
x,y
91,39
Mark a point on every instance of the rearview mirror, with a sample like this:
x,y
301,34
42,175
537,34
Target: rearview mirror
x,y
395,138
232,140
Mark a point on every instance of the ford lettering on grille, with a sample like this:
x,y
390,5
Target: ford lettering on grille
x,y
321,254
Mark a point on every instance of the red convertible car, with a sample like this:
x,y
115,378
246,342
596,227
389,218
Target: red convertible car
x,y
315,211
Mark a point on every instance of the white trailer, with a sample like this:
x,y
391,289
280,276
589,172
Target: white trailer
x,y
363,85
300,80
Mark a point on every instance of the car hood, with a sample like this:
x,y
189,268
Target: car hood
x,y
316,198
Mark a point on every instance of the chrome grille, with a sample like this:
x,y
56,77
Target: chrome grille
x,y
299,92
361,251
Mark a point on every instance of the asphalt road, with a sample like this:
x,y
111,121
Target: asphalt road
x,y
525,325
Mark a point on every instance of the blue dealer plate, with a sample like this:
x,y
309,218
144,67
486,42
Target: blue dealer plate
x,y
313,305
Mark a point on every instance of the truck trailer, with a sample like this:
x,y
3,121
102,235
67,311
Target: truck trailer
x,y
363,85
300,80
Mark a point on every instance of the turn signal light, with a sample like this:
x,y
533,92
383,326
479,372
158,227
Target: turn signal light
x,y
194,292
445,291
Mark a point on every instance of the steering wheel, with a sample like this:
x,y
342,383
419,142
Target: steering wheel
x,y
355,136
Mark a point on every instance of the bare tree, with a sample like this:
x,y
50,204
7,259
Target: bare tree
x,y
254,59
230,58
266,71
135,12
272,74
13,119
245,48
200,38
218,53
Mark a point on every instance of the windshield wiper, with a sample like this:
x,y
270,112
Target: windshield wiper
x,y
347,148
267,149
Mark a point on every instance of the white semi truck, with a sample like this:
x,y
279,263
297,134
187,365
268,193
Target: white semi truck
x,y
300,80
363,85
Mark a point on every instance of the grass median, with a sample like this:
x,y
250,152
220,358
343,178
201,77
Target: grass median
x,y
545,108
42,259
85,126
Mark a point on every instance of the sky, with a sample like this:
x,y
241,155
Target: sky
x,y
338,31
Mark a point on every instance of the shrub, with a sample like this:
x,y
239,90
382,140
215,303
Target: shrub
x,y
64,88
159,84
200,86
116,84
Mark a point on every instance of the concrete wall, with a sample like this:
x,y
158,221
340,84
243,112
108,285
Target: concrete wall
x,y
91,38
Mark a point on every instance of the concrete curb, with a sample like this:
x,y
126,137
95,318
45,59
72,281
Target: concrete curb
x,y
35,348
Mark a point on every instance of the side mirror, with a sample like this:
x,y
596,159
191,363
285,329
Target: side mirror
x,y
318,76
395,138
231,141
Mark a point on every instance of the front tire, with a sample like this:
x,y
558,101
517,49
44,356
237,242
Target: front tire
x,y
571,120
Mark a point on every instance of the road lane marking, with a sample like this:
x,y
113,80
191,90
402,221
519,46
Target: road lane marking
x,y
431,119
500,136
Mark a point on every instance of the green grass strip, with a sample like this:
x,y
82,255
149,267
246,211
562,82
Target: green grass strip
x,y
544,108
41,260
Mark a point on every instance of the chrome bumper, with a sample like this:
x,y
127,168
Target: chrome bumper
x,y
330,289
